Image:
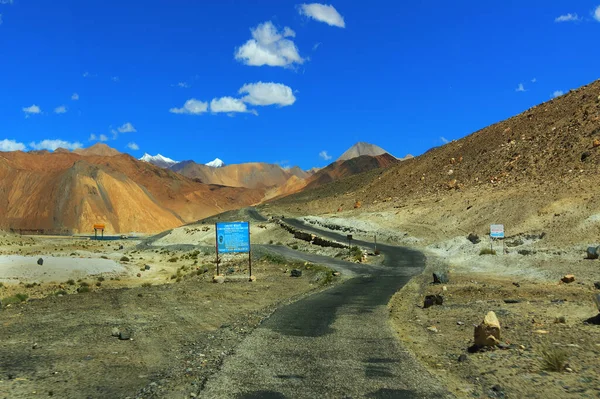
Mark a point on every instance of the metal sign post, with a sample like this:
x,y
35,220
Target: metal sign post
x,y
233,237
496,232
349,237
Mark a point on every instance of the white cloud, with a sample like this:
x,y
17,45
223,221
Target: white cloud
x,y
133,146
75,97
288,32
267,94
325,155
86,74
444,140
60,110
34,109
557,93
11,145
534,80
92,137
115,79
6,1
191,107
268,46
183,85
227,104
103,137
597,14
1,19
520,88
316,46
567,18
127,128
323,13
52,145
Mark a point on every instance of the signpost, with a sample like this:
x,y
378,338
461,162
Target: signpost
x,y
98,227
496,232
349,237
233,237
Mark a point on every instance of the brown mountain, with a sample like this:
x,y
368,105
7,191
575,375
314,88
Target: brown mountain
x,y
360,149
249,175
532,172
58,191
98,149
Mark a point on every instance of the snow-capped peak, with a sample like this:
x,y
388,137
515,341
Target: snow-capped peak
x,y
217,163
158,160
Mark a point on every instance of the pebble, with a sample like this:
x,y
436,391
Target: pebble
x,y
433,329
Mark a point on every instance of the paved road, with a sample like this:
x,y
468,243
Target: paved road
x,y
334,344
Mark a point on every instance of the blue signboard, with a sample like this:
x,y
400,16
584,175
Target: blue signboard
x,y
497,231
233,237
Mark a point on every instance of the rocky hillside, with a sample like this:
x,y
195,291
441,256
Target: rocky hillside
x,y
534,171
67,191
360,149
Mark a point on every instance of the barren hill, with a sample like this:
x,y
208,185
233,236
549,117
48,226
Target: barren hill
x,y
249,175
533,172
66,191
99,149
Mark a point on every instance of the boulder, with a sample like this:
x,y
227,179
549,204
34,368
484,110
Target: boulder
x,y
431,300
592,253
220,279
146,267
252,279
597,285
440,278
40,261
125,335
488,332
568,278
296,273
474,238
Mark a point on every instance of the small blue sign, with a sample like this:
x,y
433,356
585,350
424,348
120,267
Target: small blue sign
x,y
233,237
497,231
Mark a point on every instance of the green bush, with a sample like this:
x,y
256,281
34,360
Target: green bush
x,y
83,289
272,258
124,259
84,284
554,358
487,251
71,282
146,285
18,298
101,279
174,259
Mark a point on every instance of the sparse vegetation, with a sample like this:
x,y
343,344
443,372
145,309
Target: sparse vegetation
x,y
146,285
70,282
101,279
83,289
554,358
124,259
174,259
98,284
487,251
272,258
17,298
60,292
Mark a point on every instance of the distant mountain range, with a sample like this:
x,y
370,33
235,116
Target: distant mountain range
x,y
73,190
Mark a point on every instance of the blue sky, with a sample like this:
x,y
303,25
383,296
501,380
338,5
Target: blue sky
x,y
289,80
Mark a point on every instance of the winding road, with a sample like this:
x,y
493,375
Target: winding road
x,y
334,344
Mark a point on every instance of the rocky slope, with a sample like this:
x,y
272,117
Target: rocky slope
x,y
532,172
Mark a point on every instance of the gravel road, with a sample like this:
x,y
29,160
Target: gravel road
x,y
334,344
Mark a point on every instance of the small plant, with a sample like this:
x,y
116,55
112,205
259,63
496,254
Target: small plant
x,y
124,259
15,299
174,259
146,285
30,285
377,252
178,280
487,251
101,279
271,258
71,282
98,284
84,284
173,276
83,289
1,285
295,247
554,358
104,257
21,297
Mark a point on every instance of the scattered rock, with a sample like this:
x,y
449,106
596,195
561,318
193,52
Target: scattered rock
x,y
560,320
115,332
592,253
220,279
512,301
252,279
596,143
205,270
139,274
474,238
431,300
296,273
569,278
35,346
460,323
40,261
230,270
336,274
433,329
585,156
440,278
125,335
542,332
516,284
488,332
463,358
146,267
594,320
120,247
